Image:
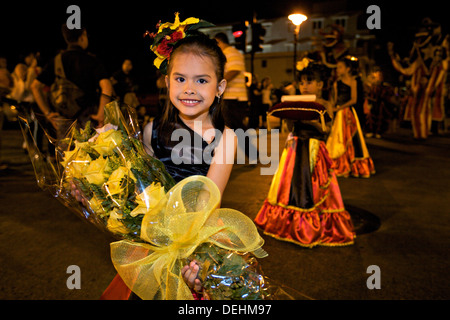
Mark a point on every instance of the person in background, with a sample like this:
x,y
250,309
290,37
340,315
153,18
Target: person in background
x,y
346,143
84,70
255,96
6,84
125,84
266,90
304,204
236,95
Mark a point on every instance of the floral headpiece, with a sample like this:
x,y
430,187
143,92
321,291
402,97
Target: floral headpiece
x,y
303,64
169,34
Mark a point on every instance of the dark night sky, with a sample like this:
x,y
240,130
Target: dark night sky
x,y
116,27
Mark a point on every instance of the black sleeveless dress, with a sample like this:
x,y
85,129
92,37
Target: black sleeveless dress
x,y
183,151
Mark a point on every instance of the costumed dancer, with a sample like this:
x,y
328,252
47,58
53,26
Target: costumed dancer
x,y
428,68
416,109
194,68
346,144
304,205
437,89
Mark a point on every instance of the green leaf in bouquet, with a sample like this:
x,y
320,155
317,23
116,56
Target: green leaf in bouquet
x,y
113,164
91,152
83,135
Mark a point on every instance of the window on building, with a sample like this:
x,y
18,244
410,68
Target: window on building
x,y
341,22
317,25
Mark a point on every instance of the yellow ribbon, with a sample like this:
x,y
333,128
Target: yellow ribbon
x,y
191,217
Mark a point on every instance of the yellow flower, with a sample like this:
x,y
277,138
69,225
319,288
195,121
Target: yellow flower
x,y
114,186
107,141
95,173
75,163
177,23
152,198
114,224
96,205
77,152
158,60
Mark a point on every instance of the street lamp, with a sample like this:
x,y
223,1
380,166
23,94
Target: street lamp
x,y
296,19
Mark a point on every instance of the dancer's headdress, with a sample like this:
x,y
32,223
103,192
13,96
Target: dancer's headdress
x,y
168,35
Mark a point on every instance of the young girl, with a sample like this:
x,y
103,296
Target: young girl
x,y
304,204
346,143
195,83
266,91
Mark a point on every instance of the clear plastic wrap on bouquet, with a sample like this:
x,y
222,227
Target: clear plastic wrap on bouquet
x,y
230,275
109,169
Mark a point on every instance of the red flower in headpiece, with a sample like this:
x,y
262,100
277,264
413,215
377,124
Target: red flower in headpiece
x,y
165,48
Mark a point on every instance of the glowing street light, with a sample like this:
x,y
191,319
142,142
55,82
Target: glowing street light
x,y
297,19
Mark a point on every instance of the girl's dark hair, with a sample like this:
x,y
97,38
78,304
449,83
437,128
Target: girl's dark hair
x,y
352,63
201,45
314,71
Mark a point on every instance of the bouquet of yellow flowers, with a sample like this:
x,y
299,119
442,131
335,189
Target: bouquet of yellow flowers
x,y
110,169
160,226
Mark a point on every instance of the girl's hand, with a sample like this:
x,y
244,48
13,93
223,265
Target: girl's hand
x,y
99,118
190,273
290,136
76,194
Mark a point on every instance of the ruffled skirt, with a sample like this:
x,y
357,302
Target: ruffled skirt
x,y
326,223
347,147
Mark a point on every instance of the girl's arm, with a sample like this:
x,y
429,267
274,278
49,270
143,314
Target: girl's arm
x,y
222,162
148,138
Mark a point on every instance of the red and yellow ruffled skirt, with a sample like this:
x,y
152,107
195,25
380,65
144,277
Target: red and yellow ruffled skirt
x,y
347,147
326,223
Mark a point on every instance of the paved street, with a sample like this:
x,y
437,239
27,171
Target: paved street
x,y
402,217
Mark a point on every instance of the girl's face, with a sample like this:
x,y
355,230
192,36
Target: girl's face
x,y
310,86
193,85
342,69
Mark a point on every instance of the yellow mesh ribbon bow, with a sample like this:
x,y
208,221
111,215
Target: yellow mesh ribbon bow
x,y
191,217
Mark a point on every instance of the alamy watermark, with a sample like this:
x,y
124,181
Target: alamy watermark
x,y
374,281
74,20
374,21
74,280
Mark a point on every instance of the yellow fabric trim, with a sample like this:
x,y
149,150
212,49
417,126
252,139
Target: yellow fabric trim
x,y
273,191
361,136
335,141
311,245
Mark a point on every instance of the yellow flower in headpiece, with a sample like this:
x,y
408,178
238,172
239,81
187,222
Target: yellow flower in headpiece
x,y
302,64
177,23
169,34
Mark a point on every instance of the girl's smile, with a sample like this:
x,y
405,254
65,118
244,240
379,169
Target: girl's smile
x,y
190,103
